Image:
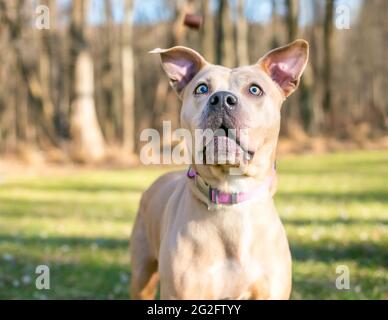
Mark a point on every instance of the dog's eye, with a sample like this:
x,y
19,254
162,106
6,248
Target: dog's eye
x,y
255,90
201,89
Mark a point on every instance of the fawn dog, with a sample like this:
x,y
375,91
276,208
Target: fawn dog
x,y
208,233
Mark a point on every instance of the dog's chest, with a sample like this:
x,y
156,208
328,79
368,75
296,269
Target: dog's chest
x,y
222,253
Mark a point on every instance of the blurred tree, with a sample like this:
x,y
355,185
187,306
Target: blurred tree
x,y
327,70
207,32
292,19
308,93
46,75
128,79
291,119
58,72
241,35
108,107
179,32
275,22
374,14
45,67
165,100
363,98
225,40
39,117
87,142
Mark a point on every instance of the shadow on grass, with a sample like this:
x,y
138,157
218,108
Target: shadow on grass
x,y
73,280
324,196
322,172
330,222
88,188
84,209
364,254
90,279
58,242
359,167
99,280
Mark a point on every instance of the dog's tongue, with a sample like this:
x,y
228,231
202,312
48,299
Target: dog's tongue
x,y
223,150
225,145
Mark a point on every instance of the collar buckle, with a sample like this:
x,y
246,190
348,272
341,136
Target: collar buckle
x,y
213,195
234,197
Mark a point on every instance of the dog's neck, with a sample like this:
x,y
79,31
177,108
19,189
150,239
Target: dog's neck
x,y
219,188
229,180
253,180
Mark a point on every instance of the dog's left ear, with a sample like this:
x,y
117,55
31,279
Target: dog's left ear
x,y
285,65
181,64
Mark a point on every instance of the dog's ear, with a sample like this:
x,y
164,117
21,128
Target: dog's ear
x,y
285,65
181,64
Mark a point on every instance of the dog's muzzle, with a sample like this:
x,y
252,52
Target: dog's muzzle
x,y
222,116
222,110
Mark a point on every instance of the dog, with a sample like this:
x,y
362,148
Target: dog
x,y
207,233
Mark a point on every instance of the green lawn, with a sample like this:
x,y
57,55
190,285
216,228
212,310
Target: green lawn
x,y
334,207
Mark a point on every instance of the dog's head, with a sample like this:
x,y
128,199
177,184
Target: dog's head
x,y
241,105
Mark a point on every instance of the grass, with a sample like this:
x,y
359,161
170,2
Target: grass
x,y
334,207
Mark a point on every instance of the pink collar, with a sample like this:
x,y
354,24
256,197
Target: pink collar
x,y
217,196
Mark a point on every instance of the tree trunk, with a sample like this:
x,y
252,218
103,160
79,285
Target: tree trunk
x,y
242,35
128,80
207,32
292,19
45,72
291,118
59,75
37,98
275,21
327,69
106,110
225,43
165,100
87,142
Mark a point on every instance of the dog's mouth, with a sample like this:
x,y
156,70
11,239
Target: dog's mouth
x,y
226,148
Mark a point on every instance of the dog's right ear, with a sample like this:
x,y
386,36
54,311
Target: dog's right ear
x,y
181,64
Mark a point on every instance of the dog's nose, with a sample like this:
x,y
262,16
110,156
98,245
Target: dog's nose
x,y
223,99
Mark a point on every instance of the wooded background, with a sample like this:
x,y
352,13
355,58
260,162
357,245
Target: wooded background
x,y
85,88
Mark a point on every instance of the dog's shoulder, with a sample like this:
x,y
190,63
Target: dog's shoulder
x,y
162,188
167,180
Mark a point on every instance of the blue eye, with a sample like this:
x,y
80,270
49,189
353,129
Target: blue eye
x,y
255,90
201,89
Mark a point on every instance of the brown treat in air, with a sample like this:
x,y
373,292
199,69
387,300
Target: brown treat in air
x,y
193,21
